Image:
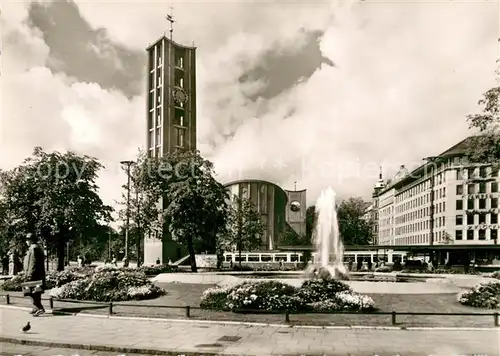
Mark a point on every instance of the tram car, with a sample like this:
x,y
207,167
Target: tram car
x,y
275,259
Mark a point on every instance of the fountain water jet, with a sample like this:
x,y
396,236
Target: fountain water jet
x,y
327,240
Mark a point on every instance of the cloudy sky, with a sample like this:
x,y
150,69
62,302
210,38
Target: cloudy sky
x,y
321,93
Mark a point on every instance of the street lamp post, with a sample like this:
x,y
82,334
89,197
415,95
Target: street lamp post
x,y
127,165
137,222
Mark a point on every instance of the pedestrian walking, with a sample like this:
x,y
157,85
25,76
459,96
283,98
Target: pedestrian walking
x,y
34,269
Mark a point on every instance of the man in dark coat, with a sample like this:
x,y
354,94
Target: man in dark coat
x,y
34,269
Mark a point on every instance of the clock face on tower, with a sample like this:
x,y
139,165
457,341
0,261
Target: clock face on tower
x,y
180,95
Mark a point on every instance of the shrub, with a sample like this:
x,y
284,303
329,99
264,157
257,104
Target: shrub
x,y
156,269
242,268
317,290
442,271
109,285
483,295
14,284
383,269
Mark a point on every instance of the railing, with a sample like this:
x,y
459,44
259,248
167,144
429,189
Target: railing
x,y
286,314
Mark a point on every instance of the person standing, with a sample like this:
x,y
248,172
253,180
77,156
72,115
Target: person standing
x,y
34,269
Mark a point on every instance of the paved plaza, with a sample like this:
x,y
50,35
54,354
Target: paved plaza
x,y
136,335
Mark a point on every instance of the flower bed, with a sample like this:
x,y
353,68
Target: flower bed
x,y
109,284
106,283
273,296
53,278
483,295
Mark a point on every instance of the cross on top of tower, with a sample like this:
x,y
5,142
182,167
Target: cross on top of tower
x,y
170,18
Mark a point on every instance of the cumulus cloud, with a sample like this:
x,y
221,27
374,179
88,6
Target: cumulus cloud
x,y
57,112
405,75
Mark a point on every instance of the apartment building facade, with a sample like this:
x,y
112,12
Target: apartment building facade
x,y
447,200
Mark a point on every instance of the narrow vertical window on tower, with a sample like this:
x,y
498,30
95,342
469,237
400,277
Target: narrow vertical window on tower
x,y
159,121
158,137
179,79
159,51
181,138
151,138
151,64
179,117
151,83
179,59
151,118
151,103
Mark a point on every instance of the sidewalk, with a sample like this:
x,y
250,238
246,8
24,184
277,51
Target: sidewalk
x,y
181,337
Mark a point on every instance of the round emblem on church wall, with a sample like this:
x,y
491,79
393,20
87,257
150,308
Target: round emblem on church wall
x,y
295,206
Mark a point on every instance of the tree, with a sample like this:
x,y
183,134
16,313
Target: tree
x,y
96,244
354,229
485,147
447,239
182,196
245,228
310,222
54,195
288,237
5,239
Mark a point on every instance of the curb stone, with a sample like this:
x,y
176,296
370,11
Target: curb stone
x,y
105,348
